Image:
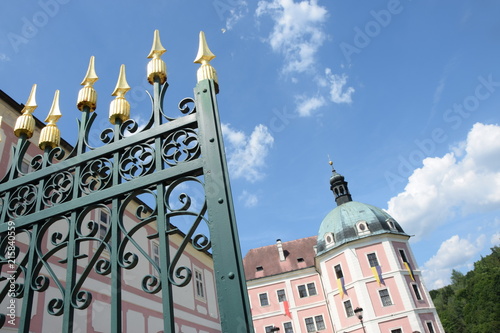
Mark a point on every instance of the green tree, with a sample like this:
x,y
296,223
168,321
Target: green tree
x,y
471,303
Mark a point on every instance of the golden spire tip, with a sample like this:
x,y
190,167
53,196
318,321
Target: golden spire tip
x,y
31,103
55,112
91,76
121,86
157,49
204,54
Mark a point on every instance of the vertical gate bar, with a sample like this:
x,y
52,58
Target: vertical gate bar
x,y
162,222
72,251
27,307
230,279
116,276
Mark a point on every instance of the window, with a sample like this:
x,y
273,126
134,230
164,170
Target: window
x,y
300,259
269,329
397,330
307,290
417,292
103,224
259,268
391,224
315,324
288,327
372,259
338,271
263,299
385,297
329,238
348,308
281,295
403,255
198,278
430,327
155,253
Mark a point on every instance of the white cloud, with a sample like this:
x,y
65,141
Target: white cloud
x,y
297,32
336,83
447,187
305,106
236,13
249,199
453,253
4,57
247,154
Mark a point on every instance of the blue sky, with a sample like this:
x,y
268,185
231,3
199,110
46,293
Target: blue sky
x,y
404,96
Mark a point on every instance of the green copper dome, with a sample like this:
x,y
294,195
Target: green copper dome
x,y
353,220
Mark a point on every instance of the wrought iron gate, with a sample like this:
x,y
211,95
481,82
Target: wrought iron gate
x,y
49,207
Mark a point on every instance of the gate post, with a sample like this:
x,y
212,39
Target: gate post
x,y
232,295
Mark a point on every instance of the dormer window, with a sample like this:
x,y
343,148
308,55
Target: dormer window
x,y
391,224
300,259
259,268
329,238
362,228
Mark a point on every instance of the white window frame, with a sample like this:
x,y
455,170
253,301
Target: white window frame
x,y
306,289
278,295
347,314
267,300
335,271
376,258
155,256
314,322
199,284
395,329
432,326
291,327
416,291
388,294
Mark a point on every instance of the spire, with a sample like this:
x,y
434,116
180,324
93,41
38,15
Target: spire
x,y
87,96
339,187
204,56
120,107
50,136
25,123
156,66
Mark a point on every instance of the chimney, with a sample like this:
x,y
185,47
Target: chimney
x,y
279,245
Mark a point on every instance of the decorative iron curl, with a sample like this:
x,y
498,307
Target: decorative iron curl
x,y
107,135
151,284
137,161
96,175
38,162
81,300
58,188
181,146
55,307
22,201
184,106
181,276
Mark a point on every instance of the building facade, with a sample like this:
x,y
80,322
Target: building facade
x,y
196,309
358,275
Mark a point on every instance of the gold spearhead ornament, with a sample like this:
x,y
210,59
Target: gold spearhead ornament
x,y
204,56
87,96
120,107
50,136
157,67
25,124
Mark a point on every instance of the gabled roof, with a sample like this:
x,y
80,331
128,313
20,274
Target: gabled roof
x,y
265,261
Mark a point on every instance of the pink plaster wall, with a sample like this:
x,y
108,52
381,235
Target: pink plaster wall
x,y
389,325
346,270
339,305
380,310
381,256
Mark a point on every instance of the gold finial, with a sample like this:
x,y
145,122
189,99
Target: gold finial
x,y
87,95
120,107
25,124
157,67
204,56
50,136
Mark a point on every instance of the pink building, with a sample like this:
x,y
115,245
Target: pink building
x,y
360,259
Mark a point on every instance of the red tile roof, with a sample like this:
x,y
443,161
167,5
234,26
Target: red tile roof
x,y
265,261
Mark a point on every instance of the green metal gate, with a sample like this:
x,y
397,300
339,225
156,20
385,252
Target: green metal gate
x,y
133,163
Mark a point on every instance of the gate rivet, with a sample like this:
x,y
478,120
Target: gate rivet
x,y
212,139
230,275
220,200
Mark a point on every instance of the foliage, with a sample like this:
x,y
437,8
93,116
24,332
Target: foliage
x,y
471,303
